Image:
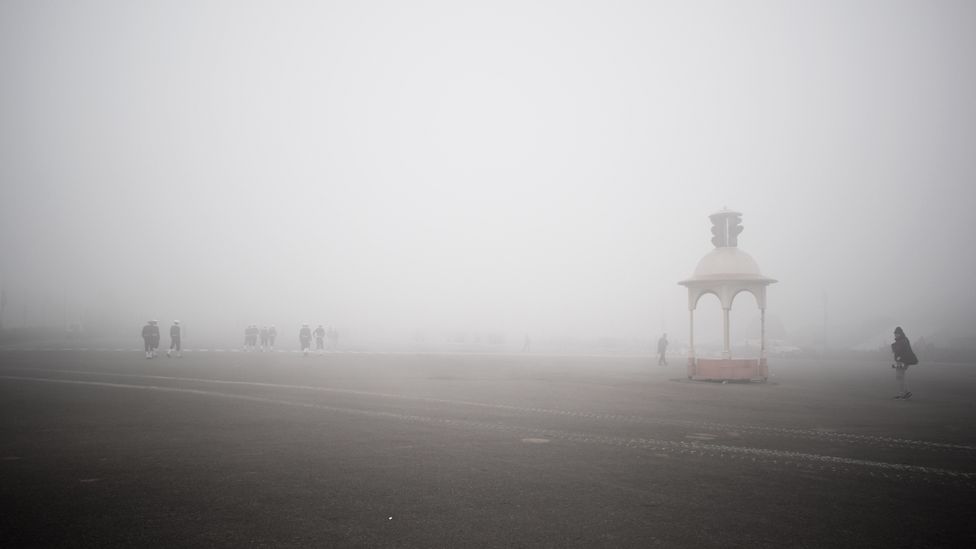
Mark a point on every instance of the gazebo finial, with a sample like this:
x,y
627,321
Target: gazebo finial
x,y
726,227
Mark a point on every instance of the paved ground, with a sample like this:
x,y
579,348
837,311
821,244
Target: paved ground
x,y
105,448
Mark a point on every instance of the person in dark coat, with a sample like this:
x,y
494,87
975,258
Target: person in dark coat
x,y
147,331
175,337
320,338
904,357
154,336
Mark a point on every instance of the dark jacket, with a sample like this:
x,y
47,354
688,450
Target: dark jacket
x,y
902,349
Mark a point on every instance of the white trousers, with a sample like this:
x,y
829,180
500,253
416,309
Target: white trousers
x,y
900,370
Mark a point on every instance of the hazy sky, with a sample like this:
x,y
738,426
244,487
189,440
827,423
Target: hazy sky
x,y
515,166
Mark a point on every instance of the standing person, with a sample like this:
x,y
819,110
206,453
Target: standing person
x,y
526,344
305,337
264,337
154,336
904,357
662,349
250,337
333,337
175,336
320,338
254,336
272,334
147,338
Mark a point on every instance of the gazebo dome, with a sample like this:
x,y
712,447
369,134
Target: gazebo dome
x,y
727,263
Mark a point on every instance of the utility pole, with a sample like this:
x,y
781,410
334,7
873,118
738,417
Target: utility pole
x,y
825,323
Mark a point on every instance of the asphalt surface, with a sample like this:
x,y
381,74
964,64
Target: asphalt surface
x,y
227,449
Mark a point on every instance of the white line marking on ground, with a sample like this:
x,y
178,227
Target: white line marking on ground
x,y
693,448
779,431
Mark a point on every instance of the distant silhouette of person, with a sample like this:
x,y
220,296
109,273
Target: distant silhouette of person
x,y
175,339
147,337
264,337
272,334
526,344
333,334
904,357
320,338
305,338
154,336
251,337
662,349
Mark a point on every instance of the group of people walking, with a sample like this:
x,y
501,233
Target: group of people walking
x,y
321,333
268,334
325,338
150,336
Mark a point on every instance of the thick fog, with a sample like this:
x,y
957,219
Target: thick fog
x,y
542,168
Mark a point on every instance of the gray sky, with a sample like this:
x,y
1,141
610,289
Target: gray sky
x,y
515,166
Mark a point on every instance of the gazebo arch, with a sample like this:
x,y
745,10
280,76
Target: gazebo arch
x,y
727,271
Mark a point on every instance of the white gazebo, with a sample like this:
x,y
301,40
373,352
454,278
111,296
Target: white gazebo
x,y
725,272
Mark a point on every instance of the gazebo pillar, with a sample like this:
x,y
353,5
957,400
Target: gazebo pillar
x,y
726,348
691,334
762,332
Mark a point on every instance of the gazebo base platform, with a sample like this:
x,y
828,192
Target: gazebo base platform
x,y
727,369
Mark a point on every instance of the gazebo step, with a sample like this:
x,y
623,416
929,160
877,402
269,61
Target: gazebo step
x,y
727,369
